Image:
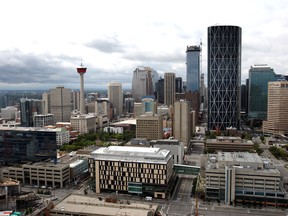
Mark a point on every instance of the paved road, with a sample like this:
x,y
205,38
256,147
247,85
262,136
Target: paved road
x,y
239,211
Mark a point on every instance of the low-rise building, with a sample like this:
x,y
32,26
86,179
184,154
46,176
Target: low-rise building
x,y
227,144
233,177
46,174
93,206
173,145
137,170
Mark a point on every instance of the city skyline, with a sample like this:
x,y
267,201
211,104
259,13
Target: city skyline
x,y
45,41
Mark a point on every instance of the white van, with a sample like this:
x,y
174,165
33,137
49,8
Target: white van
x,y
148,198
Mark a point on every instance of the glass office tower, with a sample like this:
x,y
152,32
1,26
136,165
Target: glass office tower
x,y
193,68
23,144
224,73
259,76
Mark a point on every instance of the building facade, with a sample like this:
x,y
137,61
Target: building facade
x,y
182,122
228,144
149,126
178,85
137,170
142,83
9,113
232,177
169,89
174,146
159,91
277,116
83,123
27,144
42,120
28,109
193,68
60,104
259,76
115,95
224,77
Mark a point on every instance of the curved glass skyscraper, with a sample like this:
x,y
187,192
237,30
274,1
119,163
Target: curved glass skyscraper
x,y
224,77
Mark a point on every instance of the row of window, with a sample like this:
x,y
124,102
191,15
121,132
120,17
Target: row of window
x,y
130,179
134,165
124,178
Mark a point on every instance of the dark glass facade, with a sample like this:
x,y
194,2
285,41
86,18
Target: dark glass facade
x,y
29,108
259,76
193,68
178,84
159,91
224,77
22,145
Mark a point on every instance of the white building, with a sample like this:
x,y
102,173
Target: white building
x,y
62,136
9,113
173,145
116,130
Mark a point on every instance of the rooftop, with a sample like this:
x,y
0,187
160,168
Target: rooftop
x,y
131,153
91,205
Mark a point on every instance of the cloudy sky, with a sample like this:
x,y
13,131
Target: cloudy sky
x,y
42,42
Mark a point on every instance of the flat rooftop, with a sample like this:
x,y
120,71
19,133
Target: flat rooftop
x,y
93,206
125,122
131,153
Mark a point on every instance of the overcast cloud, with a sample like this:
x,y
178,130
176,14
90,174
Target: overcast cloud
x,y
42,42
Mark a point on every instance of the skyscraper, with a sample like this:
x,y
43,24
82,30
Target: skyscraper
x,y
115,95
277,115
142,83
28,109
192,68
182,122
159,91
259,76
60,104
224,77
169,89
178,84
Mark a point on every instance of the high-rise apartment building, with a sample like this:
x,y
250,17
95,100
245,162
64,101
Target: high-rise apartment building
x,y
277,111
169,89
142,83
224,77
149,126
193,68
259,76
28,109
60,104
182,122
115,95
